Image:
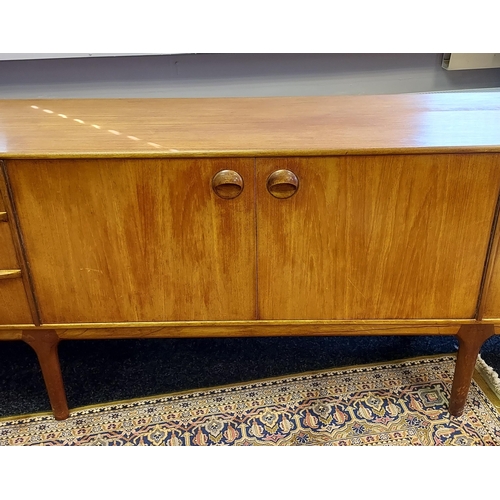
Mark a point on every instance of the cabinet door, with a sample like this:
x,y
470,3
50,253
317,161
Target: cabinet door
x,y
137,240
490,301
380,237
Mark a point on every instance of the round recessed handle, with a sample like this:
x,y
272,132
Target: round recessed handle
x,y
282,184
227,184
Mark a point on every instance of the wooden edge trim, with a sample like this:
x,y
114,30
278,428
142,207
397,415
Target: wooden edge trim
x,y
10,273
260,328
253,153
491,256
205,332
11,334
3,217
14,332
18,244
360,323
251,331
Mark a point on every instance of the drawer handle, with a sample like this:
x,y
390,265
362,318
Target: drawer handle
x,y
3,217
282,184
227,184
10,273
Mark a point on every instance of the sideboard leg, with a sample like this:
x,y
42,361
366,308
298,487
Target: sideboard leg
x,y
470,340
44,343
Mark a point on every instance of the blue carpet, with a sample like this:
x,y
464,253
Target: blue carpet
x,y
99,371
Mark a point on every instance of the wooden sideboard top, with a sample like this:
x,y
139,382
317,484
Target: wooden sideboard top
x,y
271,126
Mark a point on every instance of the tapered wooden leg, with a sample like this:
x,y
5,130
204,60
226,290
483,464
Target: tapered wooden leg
x,y
470,340
44,343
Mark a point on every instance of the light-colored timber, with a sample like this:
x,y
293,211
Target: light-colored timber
x,y
3,217
348,215
14,307
259,328
140,240
268,126
370,237
13,253
8,256
489,303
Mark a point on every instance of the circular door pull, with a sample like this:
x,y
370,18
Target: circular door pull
x,y
227,184
282,184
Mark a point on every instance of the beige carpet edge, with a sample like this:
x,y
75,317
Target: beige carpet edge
x,y
491,385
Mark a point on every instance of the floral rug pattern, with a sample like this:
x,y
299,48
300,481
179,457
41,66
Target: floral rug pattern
x,y
397,404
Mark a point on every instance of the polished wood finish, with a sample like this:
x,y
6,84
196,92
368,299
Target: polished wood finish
x,y
8,256
471,338
258,328
44,343
14,307
306,329
383,237
282,184
129,240
269,126
227,184
17,302
348,215
489,301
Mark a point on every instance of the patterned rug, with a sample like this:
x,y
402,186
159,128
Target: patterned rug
x,y
398,403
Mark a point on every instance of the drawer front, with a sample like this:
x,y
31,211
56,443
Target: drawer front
x,y
14,307
8,258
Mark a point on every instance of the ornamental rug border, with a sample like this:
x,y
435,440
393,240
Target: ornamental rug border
x,y
398,404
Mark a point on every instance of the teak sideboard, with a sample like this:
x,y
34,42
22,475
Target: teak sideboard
x,y
347,215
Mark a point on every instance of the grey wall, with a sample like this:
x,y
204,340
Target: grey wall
x,y
209,75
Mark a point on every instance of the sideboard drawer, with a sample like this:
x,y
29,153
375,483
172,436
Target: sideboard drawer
x,y
14,305
8,258
14,308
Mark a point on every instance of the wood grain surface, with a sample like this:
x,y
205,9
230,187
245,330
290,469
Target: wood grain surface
x,y
252,328
250,126
376,237
130,240
17,303
490,300
257,330
14,307
8,257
